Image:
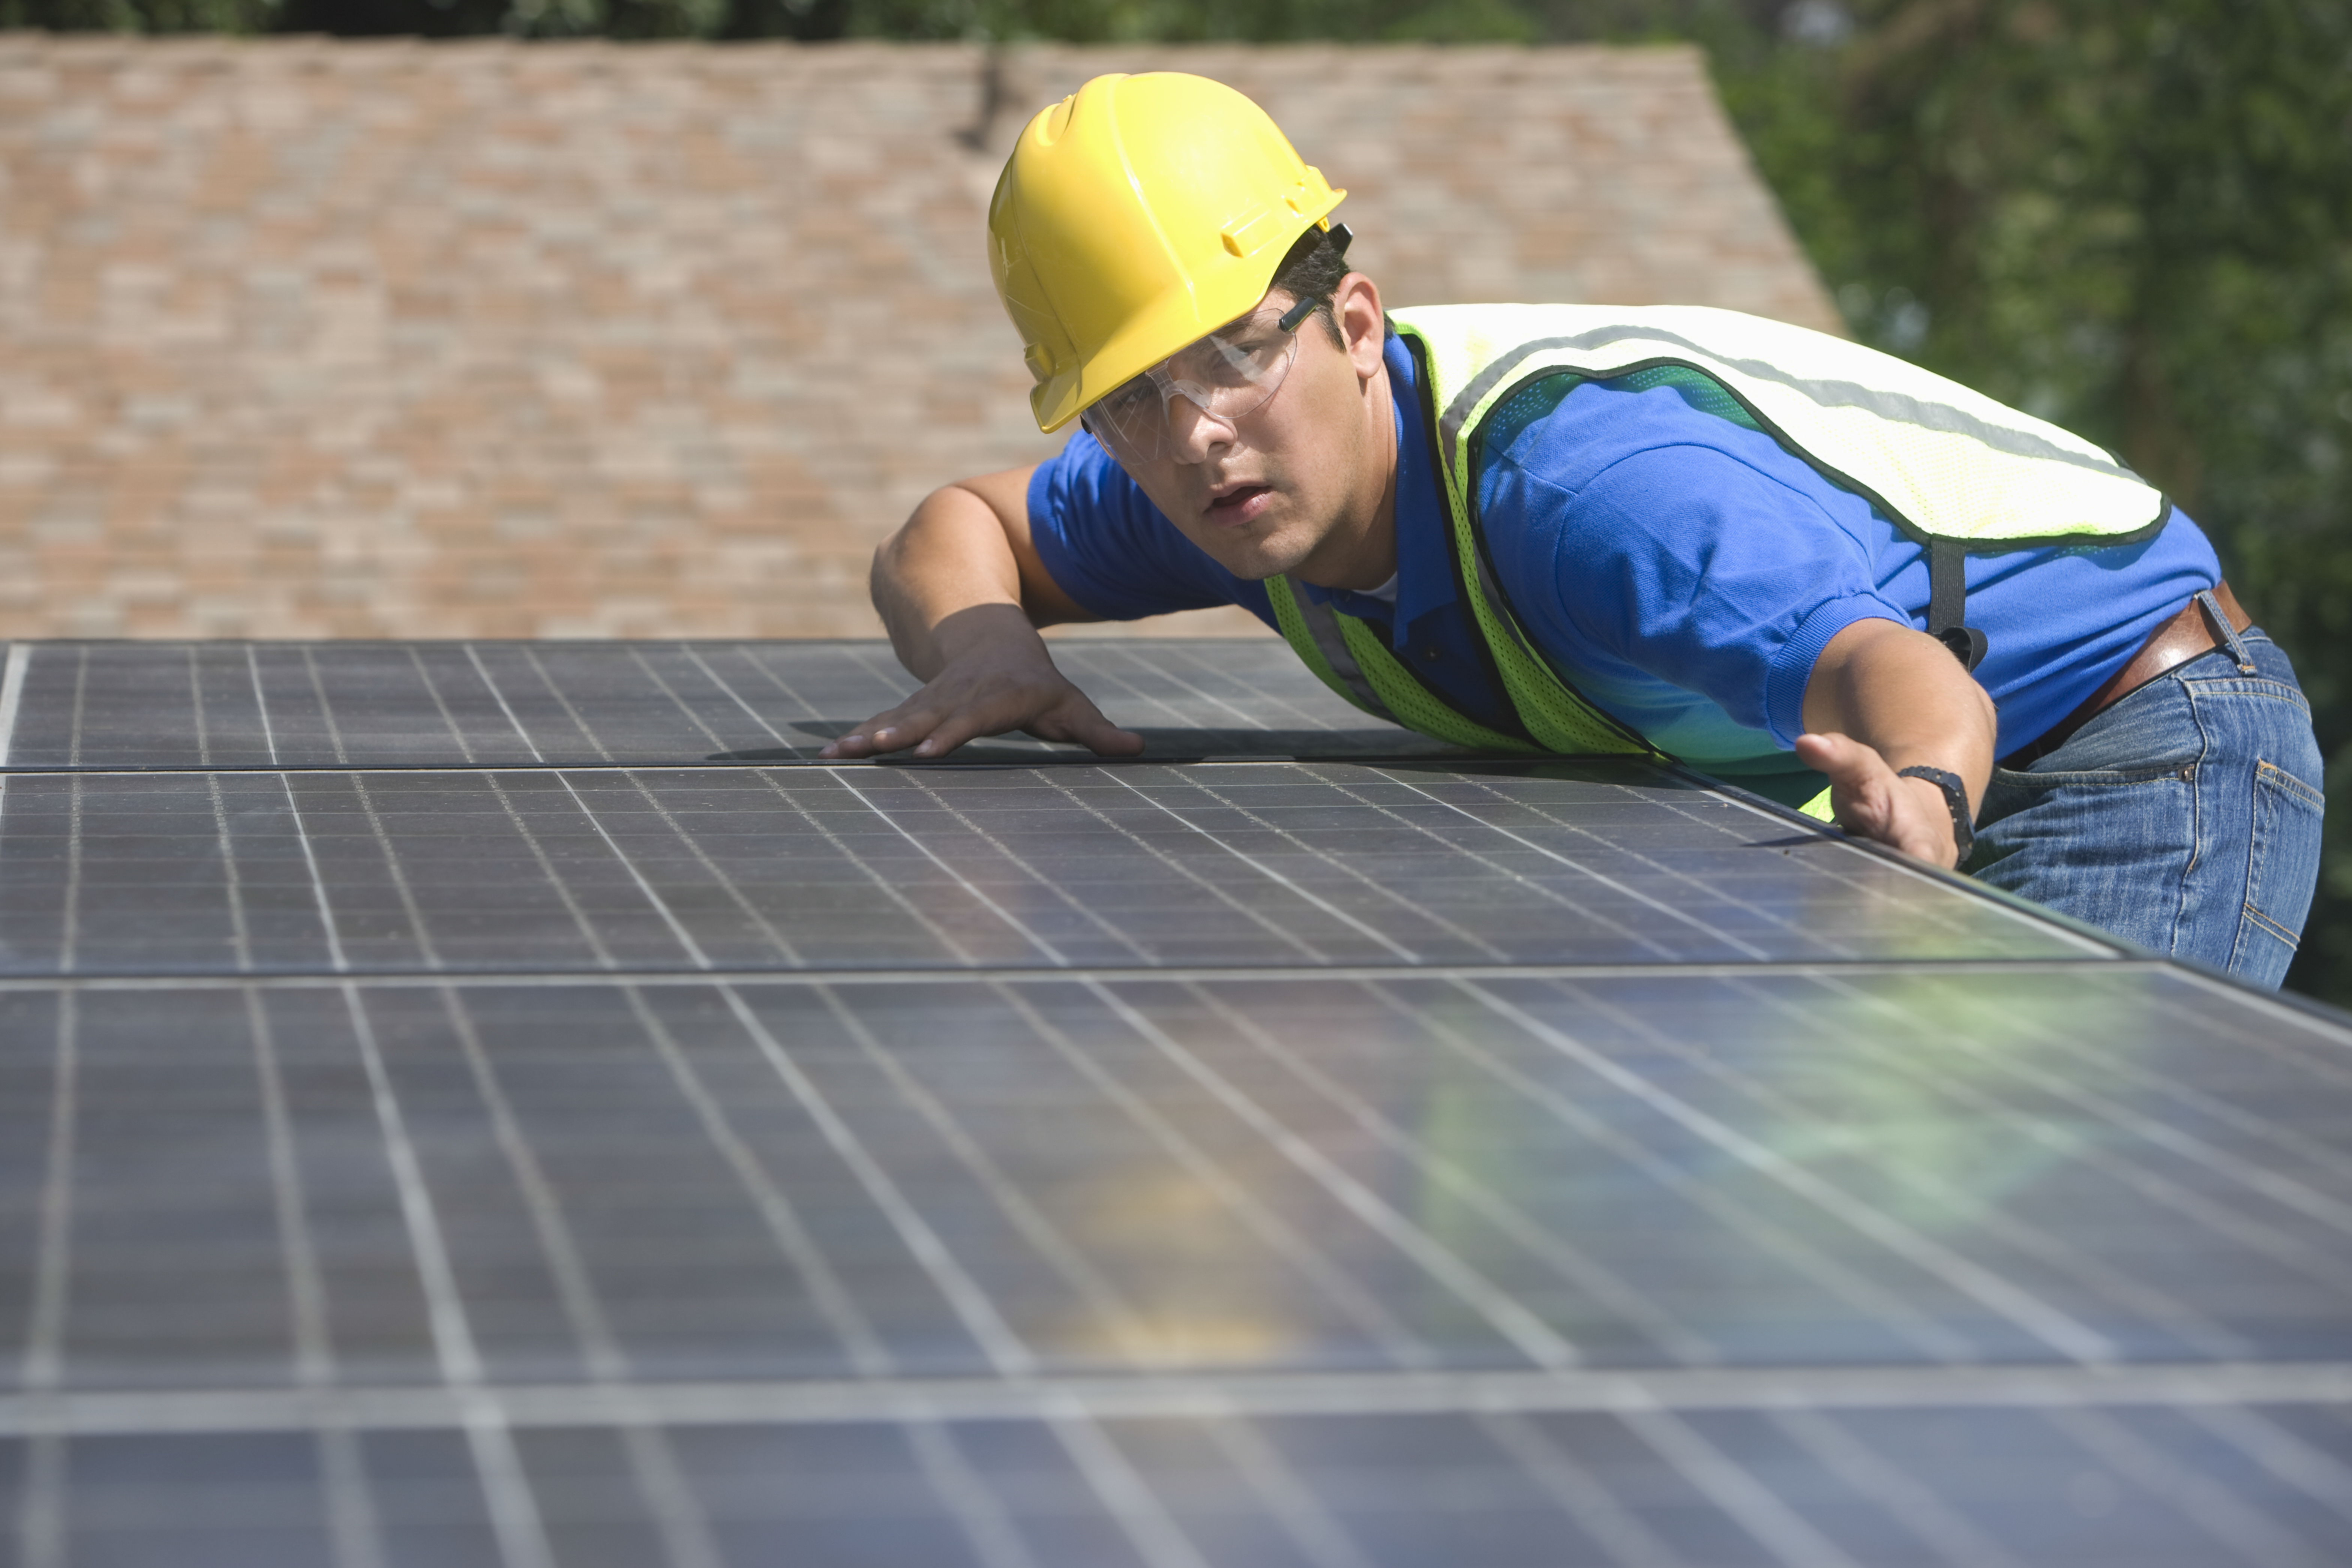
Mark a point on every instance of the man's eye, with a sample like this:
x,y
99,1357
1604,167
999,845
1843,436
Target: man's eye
x,y
1127,401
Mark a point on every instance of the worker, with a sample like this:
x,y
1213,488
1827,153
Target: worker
x,y
1780,558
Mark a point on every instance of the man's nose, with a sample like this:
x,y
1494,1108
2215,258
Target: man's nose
x,y
1194,433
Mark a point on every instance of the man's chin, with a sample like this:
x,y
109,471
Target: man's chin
x,y
1272,555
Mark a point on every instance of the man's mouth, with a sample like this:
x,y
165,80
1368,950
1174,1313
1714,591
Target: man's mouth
x,y
1238,504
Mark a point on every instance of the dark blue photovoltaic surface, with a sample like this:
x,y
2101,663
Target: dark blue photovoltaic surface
x,y
1328,1159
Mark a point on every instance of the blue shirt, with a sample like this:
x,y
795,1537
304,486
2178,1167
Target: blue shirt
x,y
1681,572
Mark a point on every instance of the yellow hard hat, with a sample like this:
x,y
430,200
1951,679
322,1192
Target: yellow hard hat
x,y
1135,216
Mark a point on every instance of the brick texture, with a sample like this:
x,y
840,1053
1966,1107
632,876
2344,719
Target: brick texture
x,y
310,339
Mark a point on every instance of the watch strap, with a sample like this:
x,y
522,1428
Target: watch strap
x,y
1955,796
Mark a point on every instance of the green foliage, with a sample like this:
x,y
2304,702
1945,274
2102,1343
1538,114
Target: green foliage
x,y
2131,216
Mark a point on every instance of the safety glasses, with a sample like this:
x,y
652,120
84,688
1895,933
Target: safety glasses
x,y
1229,373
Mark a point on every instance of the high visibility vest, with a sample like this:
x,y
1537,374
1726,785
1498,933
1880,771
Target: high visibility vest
x,y
1953,469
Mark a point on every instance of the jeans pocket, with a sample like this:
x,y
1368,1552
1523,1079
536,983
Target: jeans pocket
x,y
2282,869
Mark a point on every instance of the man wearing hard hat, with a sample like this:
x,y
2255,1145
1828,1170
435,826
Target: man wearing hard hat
x,y
1665,530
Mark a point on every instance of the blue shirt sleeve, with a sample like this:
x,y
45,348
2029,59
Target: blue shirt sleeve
x,y
1107,547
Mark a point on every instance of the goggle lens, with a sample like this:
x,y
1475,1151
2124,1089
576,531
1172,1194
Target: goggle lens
x,y
1226,375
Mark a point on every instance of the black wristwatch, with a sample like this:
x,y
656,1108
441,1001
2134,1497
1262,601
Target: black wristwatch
x,y
1956,795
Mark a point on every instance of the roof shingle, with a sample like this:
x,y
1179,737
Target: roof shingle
x,y
302,339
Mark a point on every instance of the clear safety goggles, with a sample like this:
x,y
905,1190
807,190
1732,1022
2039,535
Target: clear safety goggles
x,y
1229,373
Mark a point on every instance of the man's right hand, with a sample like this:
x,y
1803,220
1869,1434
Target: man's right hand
x,y
997,677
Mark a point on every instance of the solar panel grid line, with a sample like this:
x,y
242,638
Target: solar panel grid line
x,y
1605,880
474,656
2250,1230
768,671
98,982
862,1346
1533,1338
555,690
1485,861
350,1511
1142,1519
1570,1262
2311,1470
1620,1531
1007,1354
12,695
326,706
718,742
783,945
683,1528
978,895
986,1526
313,1356
1921,1335
1400,1346
441,705
736,697
1274,930
1049,884
1863,892
515,1516
1139,1516
1271,874
680,1521
1306,1523
1943,1530
1781,1531
2014,1231
1566,860
1111,676
2245,1534
41,1357
2281,1190
2055,1327
888,887
2209,1106
2175,1392
2080,937
661,906
1372,884
1104,1300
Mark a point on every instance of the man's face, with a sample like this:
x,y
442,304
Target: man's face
x,y
1298,483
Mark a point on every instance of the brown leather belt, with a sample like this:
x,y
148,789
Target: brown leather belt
x,y
2186,633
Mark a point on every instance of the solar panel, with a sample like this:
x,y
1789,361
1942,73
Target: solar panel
x,y
1289,1162
244,705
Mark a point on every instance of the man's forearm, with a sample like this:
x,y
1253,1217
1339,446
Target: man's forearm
x,y
1903,694
949,557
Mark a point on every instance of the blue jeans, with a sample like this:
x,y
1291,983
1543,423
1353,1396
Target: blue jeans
x,y
2184,817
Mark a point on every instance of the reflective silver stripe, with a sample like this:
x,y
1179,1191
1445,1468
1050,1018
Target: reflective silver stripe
x,y
1894,406
1323,625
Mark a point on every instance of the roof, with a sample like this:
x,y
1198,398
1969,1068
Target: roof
x,y
302,338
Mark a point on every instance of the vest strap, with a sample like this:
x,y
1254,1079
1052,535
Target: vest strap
x,y
1948,600
1350,659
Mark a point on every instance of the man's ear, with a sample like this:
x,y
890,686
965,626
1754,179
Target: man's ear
x,y
1363,325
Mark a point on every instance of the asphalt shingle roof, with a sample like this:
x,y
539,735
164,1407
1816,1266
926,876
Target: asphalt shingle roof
x,y
301,337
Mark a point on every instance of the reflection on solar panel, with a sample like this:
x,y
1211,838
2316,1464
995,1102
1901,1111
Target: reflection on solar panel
x,y
546,1145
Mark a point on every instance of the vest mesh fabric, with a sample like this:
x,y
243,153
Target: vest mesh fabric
x,y
1413,704
1394,695
1940,461
1291,622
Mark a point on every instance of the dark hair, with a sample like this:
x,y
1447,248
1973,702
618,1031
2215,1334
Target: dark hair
x,y
1317,259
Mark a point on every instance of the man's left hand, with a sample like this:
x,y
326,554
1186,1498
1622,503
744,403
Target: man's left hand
x,y
1871,800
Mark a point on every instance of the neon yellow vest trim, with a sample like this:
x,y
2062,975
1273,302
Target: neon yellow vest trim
x,y
1952,468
